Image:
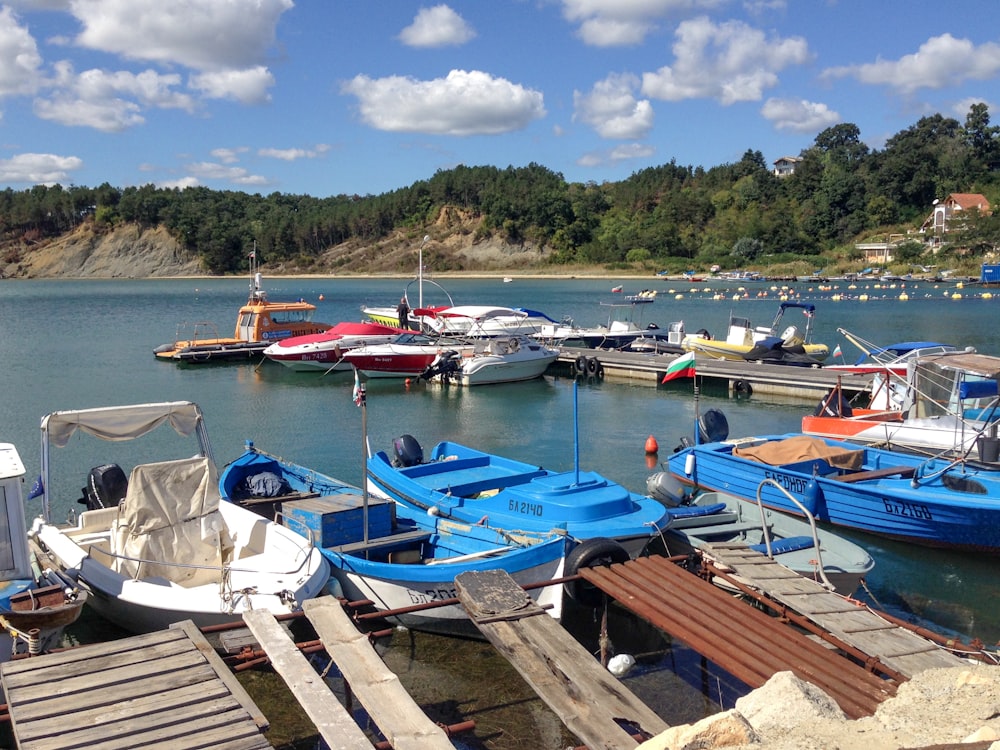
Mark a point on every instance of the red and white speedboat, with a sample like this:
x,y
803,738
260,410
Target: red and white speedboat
x,y
406,356
325,351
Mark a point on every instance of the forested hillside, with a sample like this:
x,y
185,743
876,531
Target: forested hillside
x,y
670,217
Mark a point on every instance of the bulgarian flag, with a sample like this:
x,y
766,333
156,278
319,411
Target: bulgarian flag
x,y
682,367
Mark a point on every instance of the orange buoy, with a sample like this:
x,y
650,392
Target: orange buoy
x,y
321,298
651,445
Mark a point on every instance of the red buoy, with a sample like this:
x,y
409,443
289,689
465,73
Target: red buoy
x,y
651,445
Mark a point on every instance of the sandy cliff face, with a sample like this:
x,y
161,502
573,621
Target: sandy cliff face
x,y
127,252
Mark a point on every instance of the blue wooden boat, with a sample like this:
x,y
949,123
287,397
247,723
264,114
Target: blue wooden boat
x,y
469,485
407,558
936,502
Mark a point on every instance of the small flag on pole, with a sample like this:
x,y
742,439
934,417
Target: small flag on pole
x,y
359,390
37,489
682,367
837,352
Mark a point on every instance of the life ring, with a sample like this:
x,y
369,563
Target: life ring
x,y
581,365
592,365
591,553
513,345
742,388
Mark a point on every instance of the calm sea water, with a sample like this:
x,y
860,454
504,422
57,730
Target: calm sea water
x,y
76,344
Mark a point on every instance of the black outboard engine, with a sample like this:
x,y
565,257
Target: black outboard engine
x,y
407,450
106,487
445,364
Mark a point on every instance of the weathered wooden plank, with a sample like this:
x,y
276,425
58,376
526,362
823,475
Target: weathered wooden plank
x,y
161,690
222,671
379,690
587,698
333,722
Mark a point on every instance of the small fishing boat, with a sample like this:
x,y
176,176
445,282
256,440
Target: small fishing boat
x,y
36,603
390,555
948,405
501,359
159,547
744,342
705,518
324,352
933,502
471,486
259,323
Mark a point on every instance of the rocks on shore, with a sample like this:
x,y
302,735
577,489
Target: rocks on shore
x,y
936,707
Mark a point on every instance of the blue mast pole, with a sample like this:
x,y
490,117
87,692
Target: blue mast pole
x,y
576,431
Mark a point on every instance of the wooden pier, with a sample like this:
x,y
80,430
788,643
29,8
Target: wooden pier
x,y
749,644
378,689
592,703
160,691
899,649
740,378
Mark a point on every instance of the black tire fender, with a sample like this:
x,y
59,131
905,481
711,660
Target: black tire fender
x,y
742,388
581,365
591,553
592,365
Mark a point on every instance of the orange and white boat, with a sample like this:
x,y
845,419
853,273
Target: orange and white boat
x,y
259,324
948,405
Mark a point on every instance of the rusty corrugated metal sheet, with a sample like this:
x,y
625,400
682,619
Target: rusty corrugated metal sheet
x,y
744,641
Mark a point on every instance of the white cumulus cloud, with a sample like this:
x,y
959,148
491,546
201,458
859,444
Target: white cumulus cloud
x,y
799,115
609,23
730,62
19,58
940,62
293,154
249,86
463,103
237,175
621,153
38,169
439,26
612,110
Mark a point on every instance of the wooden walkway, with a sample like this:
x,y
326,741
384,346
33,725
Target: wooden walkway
x,y
591,702
161,691
378,689
806,383
749,644
897,648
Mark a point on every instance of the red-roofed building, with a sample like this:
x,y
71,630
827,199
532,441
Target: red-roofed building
x,y
945,212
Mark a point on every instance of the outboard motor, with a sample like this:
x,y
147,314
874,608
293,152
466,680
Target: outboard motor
x,y
444,364
663,486
106,487
407,450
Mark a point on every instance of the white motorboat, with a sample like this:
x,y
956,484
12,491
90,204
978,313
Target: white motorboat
x,y
484,321
161,547
325,351
502,359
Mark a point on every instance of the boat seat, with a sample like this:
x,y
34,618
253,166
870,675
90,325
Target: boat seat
x,y
784,546
889,471
406,537
471,489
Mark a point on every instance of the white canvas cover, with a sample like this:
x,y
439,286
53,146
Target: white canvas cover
x,y
121,422
171,515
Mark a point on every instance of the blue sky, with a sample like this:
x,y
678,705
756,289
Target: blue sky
x,y
330,97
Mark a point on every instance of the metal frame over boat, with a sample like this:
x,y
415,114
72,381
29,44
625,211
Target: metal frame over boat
x,y
160,547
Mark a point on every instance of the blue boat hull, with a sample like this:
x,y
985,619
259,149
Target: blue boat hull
x,y
924,502
468,485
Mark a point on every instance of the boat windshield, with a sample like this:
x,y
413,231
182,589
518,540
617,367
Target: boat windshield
x,y
283,317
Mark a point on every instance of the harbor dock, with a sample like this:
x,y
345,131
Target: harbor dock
x,y
738,378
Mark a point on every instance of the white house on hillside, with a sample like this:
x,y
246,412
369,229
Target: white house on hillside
x,y
785,166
